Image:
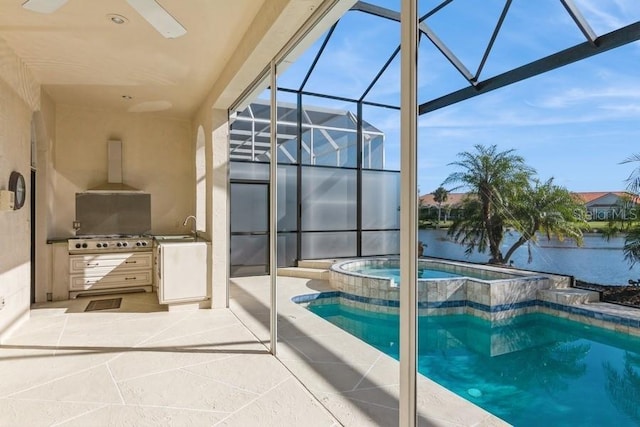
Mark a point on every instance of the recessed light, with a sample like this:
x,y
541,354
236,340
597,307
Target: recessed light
x,y
117,19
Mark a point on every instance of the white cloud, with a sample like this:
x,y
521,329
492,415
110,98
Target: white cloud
x,y
625,109
585,96
606,16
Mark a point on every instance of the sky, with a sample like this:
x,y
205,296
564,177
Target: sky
x,y
575,124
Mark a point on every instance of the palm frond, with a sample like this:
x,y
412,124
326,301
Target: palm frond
x,y
632,245
633,180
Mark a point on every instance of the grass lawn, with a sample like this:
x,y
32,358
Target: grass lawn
x,y
596,226
432,224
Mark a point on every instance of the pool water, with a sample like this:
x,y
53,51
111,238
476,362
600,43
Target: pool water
x,y
423,273
394,273
535,370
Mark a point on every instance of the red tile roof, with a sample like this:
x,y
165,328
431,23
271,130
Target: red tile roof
x,y
456,198
589,196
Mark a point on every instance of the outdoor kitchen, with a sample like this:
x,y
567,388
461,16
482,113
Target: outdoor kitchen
x,y
123,218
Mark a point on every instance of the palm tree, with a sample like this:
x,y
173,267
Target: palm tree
x,y
494,179
548,208
440,196
468,228
633,181
632,239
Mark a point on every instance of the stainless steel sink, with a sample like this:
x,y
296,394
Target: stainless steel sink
x,y
176,238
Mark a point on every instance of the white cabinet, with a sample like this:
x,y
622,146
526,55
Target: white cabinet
x,y
181,272
110,271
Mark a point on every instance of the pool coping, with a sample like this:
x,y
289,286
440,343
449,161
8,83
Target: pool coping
x,y
605,315
486,291
355,381
508,273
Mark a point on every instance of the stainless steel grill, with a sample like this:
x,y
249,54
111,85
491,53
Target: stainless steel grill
x,y
107,244
113,263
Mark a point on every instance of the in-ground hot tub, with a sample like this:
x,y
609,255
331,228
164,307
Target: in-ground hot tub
x,y
444,287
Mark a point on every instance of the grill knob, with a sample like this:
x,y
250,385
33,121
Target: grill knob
x,y
144,243
119,244
78,245
125,244
84,245
138,244
99,245
105,244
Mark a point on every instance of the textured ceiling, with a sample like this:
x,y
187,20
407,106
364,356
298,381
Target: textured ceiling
x,y
80,57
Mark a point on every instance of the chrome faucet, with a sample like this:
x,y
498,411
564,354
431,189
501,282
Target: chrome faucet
x,y
193,230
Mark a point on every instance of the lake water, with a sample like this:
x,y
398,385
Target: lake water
x,y
597,261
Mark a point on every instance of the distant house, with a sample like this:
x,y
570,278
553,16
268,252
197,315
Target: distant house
x,y
449,208
600,205
609,205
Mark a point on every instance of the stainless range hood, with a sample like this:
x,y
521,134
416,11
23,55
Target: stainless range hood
x,y
114,182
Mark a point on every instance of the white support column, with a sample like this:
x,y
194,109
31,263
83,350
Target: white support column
x,y
273,212
408,213
218,208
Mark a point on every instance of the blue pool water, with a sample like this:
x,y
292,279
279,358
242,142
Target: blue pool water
x,y
535,370
423,273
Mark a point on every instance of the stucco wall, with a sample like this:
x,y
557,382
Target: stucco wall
x,y
15,154
158,158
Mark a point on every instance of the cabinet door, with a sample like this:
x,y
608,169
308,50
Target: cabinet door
x,y
183,272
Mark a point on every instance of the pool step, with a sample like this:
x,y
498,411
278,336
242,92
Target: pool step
x,y
322,264
304,272
568,296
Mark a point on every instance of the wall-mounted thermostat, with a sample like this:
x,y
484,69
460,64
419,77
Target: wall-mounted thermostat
x,y
7,200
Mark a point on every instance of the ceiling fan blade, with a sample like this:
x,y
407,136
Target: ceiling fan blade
x,y
43,6
159,18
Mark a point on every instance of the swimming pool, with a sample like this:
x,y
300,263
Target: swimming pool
x,y
394,273
389,267
532,370
487,291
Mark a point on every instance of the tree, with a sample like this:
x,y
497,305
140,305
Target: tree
x,y
440,196
493,179
629,225
633,181
547,208
506,195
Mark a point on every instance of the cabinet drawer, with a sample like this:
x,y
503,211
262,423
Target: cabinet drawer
x,y
132,279
103,263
